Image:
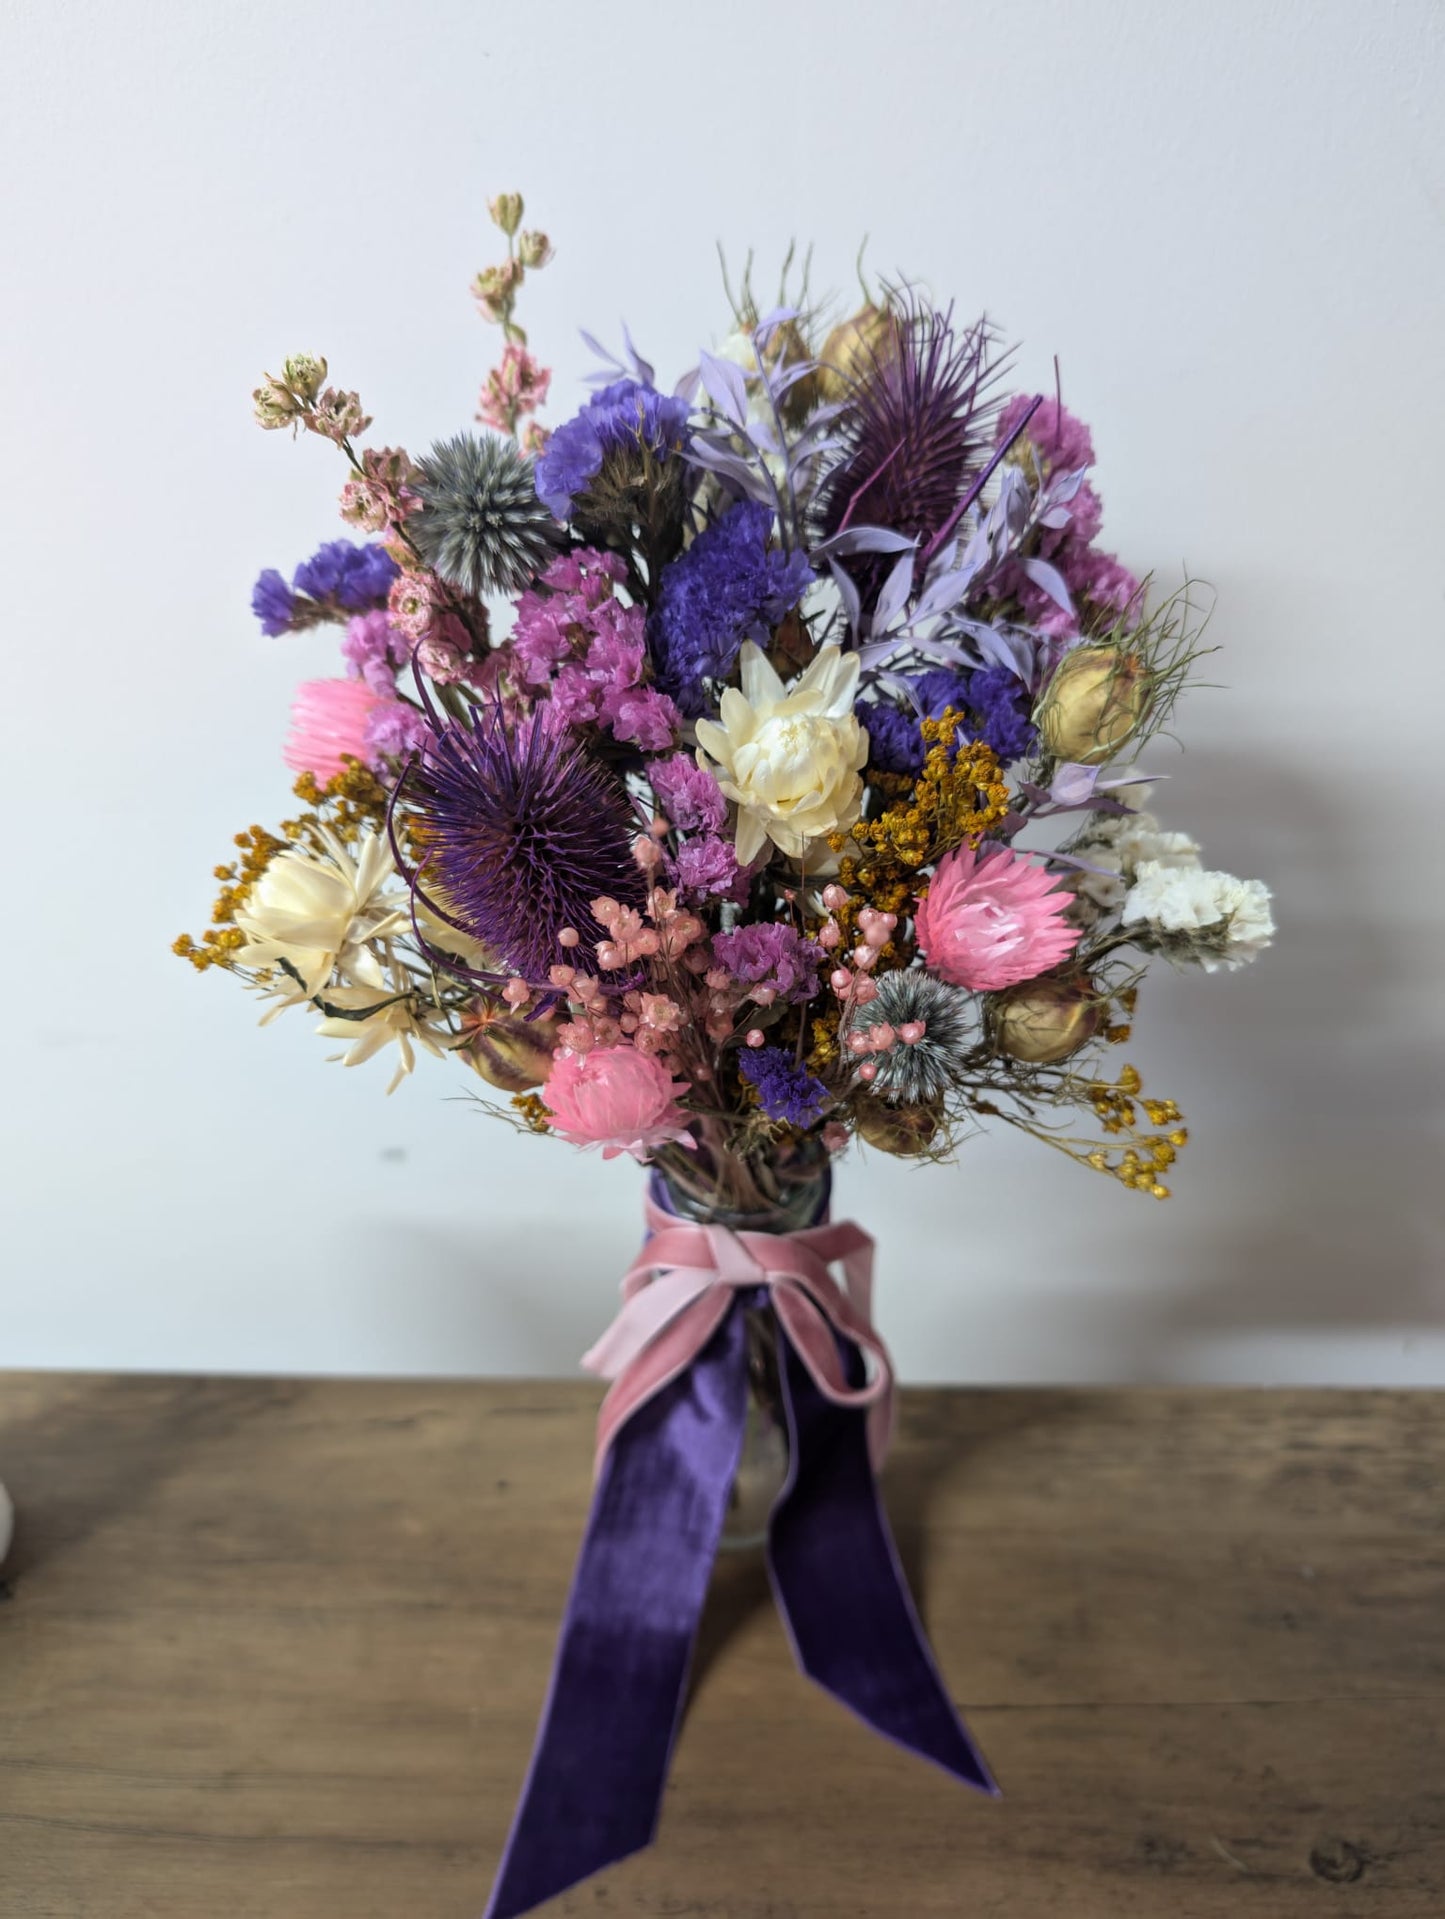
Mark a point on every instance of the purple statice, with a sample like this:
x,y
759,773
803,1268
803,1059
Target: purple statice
x,y
339,579
785,1091
273,603
374,650
350,576
995,702
772,959
706,868
1000,708
895,744
625,416
395,729
729,586
688,794
523,829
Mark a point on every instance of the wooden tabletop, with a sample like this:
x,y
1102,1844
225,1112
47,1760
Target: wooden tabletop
x,y
275,1650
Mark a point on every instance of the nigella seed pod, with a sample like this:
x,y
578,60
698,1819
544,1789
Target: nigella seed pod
x,y
1098,697
515,1054
1044,1020
851,348
904,1131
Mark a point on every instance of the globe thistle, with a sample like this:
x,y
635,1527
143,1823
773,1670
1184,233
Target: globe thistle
x,y
520,830
923,1073
481,526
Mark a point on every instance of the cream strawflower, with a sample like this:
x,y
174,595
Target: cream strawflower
x,y
789,757
393,1020
319,913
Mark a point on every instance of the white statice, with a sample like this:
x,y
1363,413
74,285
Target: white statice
x,y
790,757
1190,913
323,913
1118,845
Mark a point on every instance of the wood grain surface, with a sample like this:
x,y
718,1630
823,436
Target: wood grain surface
x,y
275,1650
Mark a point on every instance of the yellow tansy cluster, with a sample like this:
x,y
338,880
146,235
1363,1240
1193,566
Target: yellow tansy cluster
x,y
959,795
1140,1164
354,798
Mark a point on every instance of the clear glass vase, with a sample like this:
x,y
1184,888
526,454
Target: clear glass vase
x,y
782,1196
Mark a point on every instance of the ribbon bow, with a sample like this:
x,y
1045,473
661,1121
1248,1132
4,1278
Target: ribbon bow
x,y
670,1435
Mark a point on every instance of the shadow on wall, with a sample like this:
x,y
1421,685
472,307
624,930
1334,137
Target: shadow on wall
x,y
1333,1061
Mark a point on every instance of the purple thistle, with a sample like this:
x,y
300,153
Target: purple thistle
x,y
920,424
522,830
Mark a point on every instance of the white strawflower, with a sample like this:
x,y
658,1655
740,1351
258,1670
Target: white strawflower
x,y
1189,913
789,757
319,912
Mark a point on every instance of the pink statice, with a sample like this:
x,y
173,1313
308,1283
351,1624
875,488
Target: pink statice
x,y
770,960
514,389
688,794
395,729
329,720
1061,440
992,920
374,650
706,867
616,1097
641,716
587,649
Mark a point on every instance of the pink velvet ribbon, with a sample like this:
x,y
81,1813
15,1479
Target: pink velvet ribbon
x,y
680,1288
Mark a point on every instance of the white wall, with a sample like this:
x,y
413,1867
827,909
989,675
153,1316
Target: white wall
x,y
1225,218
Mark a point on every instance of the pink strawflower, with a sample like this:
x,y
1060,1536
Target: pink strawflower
x,y
992,921
328,723
617,1098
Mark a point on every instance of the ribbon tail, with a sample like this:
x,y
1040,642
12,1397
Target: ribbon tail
x,y
840,1588
594,1792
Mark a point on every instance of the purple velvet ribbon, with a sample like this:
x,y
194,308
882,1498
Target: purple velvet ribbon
x,y
593,1794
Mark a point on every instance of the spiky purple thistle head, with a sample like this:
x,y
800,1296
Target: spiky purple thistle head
x,y
919,423
520,830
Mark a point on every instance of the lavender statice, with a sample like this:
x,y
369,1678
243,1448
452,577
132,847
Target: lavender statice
x,y
785,1091
523,829
395,729
340,578
706,868
625,416
772,959
729,586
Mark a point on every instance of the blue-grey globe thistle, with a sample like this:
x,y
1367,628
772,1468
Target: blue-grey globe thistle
x,y
923,1073
481,526
519,830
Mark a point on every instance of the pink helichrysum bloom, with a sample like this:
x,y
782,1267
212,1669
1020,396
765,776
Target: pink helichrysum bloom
x,y
328,726
516,387
615,1097
414,604
992,921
